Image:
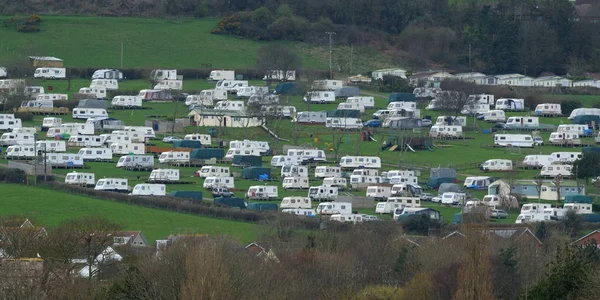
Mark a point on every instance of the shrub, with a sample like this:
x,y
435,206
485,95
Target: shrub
x,y
24,116
12,175
569,105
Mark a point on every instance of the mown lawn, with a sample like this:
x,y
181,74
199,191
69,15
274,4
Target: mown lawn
x,y
49,208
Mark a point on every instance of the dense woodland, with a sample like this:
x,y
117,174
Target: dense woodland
x,y
504,36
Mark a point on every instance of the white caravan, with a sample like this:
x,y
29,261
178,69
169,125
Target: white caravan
x,y
230,105
333,208
96,154
203,138
169,85
537,161
400,105
285,160
108,84
400,179
366,101
354,162
71,129
306,212
481,99
328,85
402,173
51,146
520,122
308,154
126,137
247,144
343,123
206,98
351,106
85,141
252,90
295,183
246,152
327,171
279,111
174,157
494,116
85,113
95,92
379,192
107,74
262,99
213,182
514,140
10,138
110,138
393,203
130,148
279,75
136,162
548,109
294,171
164,74
451,198
510,104
33,91
478,182
347,218
551,171
475,109
262,192
497,165
357,181
365,172
582,130
167,175
112,184
49,122
296,202
566,157
446,120
50,73
322,193
532,212
67,160
20,152
320,97
10,123
446,131
230,85
216,75
52,97
149,189
148,132
339,182
579,208
84,179
584,111
213,171
126,101
561,138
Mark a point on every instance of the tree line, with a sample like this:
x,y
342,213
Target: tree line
x,y
504,36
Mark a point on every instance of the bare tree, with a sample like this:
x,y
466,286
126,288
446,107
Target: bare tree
x,y
452,102
278,63
539,182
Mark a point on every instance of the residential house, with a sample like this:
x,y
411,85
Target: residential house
x,y
514,80
429,78
587,83
528,189
108,256
552,81
16,234
592,238
378,74
510,234
469,77
262,252
130,238
45,62
235,119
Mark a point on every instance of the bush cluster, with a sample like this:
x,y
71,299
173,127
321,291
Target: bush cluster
x,y
24,116
24,24
12,175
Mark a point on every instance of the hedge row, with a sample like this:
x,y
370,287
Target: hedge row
x,y
184,206
12,175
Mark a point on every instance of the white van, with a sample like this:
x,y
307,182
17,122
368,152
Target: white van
x,y
149,189
84,179
262,192
322,193
451,198
551,171
343,123
128,148
320,97
327,171
20,152
566,157
213,182
96,92
126,101
494,116
96,154
514,140
366,101
548,109
174,157
296,202
339,182
537,161
353,162
107,84
446,131
85,113
294,171
497,165
50,73
51,146
203,138
347,218
332,208
285,160
295,183
213,171
85,141
48,122
164,175
10,138
112,184
379,192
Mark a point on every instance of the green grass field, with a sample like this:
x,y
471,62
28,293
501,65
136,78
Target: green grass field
x,y
49,208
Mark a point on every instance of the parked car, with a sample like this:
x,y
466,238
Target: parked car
x,y
372,123
426,123
538,141
171,139
498,214
426,197
367,218
437,199
221,192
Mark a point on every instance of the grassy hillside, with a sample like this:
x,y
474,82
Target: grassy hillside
x,y
149,43
55,207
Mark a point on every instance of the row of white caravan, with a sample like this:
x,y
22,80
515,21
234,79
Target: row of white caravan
x,y
539,161
538,212
346,162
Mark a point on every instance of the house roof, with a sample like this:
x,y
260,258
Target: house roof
x,y
47,58
564,183
131,234
509,76
454,234
390,70
511,233
586,236
470,75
